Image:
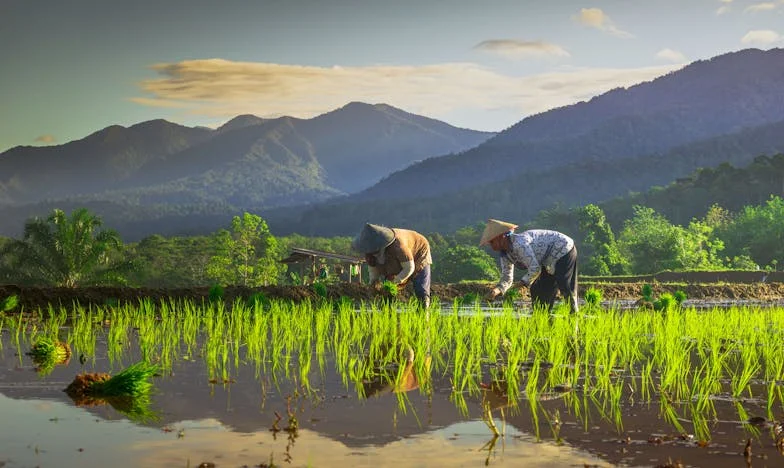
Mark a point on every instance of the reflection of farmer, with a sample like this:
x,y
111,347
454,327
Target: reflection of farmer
x,y
382,384
549,256
396,255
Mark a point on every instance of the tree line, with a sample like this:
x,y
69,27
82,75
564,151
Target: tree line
x,y
75,249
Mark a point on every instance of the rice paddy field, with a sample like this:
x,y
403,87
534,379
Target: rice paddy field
x,y
322,383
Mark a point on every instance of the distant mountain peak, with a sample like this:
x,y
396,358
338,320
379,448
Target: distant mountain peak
x,y
241,121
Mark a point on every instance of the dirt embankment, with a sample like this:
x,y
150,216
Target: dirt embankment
x,y
33,298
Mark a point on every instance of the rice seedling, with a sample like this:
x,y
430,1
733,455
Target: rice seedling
x,y
320,289
128,391
390,288
215,293
683,358
593,297
9,303
48,352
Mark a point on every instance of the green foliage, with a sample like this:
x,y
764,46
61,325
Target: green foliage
x,y
320,289
470,298
593,297
647,292
47,353
757,232
665,303
462,263
133,382
9,303
172,262
512,294
679,296
598,244
246,256
390,288
652,244
67,251
258,299
216,293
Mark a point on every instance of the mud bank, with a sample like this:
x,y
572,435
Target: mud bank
x,y
34,298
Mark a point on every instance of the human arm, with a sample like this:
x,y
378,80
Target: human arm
x,y
405,273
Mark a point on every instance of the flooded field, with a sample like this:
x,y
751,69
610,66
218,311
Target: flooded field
x,y
340,383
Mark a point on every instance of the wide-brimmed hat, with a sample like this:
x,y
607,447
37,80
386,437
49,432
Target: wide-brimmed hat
x,y
494,229
373,238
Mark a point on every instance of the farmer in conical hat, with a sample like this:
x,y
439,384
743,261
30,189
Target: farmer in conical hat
x,y
397,255
549,256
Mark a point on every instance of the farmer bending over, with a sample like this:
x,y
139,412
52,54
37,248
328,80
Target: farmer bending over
x,y
396,255
549,256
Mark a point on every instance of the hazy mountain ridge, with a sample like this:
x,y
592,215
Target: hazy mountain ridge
x,y
247,161
703,100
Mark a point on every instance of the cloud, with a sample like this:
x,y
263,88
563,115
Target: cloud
x,y
722,9
757,7
222,88
671,56
761,36
596,18
521,49
48,139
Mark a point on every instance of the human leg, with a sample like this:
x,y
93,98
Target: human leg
x,y
566,277
422,286
543,291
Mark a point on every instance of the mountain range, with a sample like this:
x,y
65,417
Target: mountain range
x,y
329,174
248,163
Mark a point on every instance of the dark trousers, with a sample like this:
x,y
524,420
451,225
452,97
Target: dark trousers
x,y
422,286
546,286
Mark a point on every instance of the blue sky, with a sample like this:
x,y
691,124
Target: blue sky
x,y
71,68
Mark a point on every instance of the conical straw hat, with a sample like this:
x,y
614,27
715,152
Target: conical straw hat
x,y
373,238
494,229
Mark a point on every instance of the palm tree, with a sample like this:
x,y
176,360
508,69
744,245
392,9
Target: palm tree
x,y
66,251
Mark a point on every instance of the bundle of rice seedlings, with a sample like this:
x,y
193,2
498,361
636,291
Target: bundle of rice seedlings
x,y
47,353
128,392
133,381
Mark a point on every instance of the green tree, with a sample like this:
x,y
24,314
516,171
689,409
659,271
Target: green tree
x,y
650,242
246,256
757,232
172,262
598,246
67,251
461,262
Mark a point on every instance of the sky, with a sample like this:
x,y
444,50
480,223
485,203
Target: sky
x,y
71,68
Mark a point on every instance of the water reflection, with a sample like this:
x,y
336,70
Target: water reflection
x,y
52,433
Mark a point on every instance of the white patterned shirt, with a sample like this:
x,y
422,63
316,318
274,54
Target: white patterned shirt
x,y
533,249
